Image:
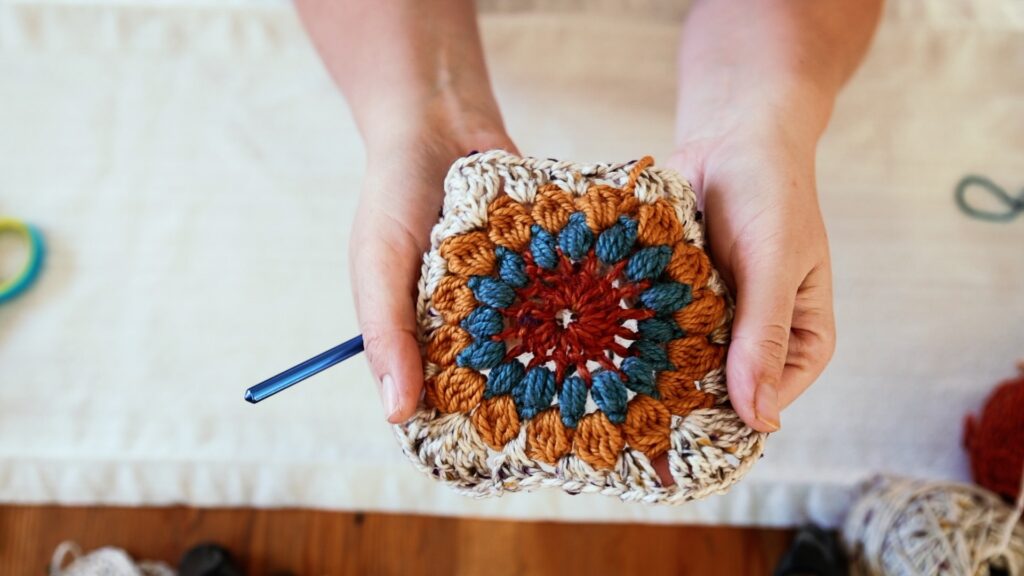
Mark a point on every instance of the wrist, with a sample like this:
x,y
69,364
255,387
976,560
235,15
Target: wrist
x,y
793,108
458,121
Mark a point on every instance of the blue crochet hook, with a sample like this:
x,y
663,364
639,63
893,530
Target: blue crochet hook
x,y
298,373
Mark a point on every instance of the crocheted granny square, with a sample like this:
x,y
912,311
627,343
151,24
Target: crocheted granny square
x,y
574,330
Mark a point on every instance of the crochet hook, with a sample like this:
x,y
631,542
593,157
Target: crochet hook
x,y
300,372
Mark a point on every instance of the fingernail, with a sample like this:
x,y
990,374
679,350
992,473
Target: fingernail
x,y
766,406
389,394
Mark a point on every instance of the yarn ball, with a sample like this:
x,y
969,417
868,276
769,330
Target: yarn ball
x,y
573,331
900,526
995,440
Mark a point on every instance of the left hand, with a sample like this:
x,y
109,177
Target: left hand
x,y
400,202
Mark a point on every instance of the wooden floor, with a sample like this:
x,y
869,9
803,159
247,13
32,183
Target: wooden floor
x,y
306,542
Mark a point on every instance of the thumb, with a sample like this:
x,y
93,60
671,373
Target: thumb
x,y
384,304
760,343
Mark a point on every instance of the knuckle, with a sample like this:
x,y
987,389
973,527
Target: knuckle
x,y
817,334
766,352
822,346
770,354
762,373
828,346
812,350
773,343
378,338
377,334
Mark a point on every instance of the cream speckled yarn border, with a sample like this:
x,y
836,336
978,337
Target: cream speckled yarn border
x,y
710,448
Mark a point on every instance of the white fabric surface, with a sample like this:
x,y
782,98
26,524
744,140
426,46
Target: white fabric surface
x,y
195,174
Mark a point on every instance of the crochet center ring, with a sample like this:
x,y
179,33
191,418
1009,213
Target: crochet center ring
x,y
574,316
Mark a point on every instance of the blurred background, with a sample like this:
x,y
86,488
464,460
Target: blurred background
x,y
194,172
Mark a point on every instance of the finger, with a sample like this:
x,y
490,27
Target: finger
x,y
760,343
812,336
385,305
664,470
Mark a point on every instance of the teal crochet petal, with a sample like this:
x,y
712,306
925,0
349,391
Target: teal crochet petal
x,y
648,263
639,376
511,267
615,243
543,247
534,392
576,238
652,353
492,291
483,322
503,378
659,329
481,355
610,394
666,297
572,400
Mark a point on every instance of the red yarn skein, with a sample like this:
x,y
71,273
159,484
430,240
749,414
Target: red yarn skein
x,y
995,440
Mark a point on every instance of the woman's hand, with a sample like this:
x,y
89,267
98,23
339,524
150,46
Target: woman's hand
x,y
399,204
414,75
756,184
757,82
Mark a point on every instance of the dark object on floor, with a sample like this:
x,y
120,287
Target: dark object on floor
x,y
207,560
814,552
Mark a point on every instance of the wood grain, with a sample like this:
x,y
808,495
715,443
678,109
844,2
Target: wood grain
x,y
316,542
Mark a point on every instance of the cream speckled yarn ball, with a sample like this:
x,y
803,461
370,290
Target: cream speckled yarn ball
x,y
900,526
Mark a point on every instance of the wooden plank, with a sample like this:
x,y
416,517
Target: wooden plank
x,y
322,542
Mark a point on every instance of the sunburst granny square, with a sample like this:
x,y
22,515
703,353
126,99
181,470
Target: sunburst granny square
x,y
573,331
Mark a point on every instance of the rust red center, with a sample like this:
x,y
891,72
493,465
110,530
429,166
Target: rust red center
x,y
572,314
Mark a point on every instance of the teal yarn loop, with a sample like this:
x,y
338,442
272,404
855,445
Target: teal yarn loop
x,y
651,353
491,291
483,322
481,355
543,247
660,329
1014,206
640,376
648,263
511,267
504,378
666,297
575,239
572,400
610,395
615,243
534,392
